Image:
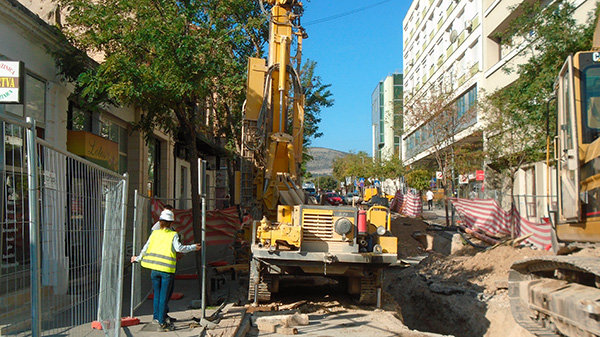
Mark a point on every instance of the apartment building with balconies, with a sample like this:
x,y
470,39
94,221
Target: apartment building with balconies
x,y
442,48
456,42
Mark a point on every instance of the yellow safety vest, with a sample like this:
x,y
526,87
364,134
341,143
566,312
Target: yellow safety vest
x,y
160,254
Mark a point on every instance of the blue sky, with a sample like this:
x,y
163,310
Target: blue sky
x,y
353,53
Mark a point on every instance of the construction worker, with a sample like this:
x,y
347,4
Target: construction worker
x,y
159,255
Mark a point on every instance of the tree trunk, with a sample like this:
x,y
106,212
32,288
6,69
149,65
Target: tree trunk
x,y
196,201
512,205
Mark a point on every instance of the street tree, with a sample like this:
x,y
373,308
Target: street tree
x,y
440,123
418,179
360,165
389,169
180,63
317,97
326,183
355,165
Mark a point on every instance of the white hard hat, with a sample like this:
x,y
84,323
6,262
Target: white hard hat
x,y
167,215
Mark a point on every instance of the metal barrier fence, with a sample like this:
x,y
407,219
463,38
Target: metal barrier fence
x,y
141,285
52,239
113,247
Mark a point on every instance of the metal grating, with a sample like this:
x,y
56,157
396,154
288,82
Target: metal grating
x,y
316,227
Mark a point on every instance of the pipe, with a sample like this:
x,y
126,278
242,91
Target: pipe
x,y
34,227
203,192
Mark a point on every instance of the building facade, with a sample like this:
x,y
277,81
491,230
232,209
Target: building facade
x,y
455,43
157,168
442,48
386,117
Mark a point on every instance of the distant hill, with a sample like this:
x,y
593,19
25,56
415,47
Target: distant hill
x,y
322,162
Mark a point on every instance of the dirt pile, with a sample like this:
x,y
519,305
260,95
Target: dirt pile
x,y
459,295
411,235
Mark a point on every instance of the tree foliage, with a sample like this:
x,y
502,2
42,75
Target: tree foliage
x,y
326,183
360,165
181,63
436,119
317,97
418,179
388,169
352,165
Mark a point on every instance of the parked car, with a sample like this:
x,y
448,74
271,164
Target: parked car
x,y
333,198
311,191
352,197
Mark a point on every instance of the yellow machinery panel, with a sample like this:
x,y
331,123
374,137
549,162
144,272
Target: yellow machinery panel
x,y
256,85
378,216
389,244
283,233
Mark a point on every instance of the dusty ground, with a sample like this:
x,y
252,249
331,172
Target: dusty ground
x,y
459,295
462,295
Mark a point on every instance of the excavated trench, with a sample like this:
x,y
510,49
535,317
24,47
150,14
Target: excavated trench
x,y
431,305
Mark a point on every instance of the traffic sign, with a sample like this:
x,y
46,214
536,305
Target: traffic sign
x,y
480,175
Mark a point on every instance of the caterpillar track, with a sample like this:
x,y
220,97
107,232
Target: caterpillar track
x,y
556,295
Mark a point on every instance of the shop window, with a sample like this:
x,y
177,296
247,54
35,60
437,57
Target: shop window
x,y
154,170
78,119
35,101
118,134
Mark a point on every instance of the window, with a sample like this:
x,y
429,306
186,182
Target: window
x,y
154,174
590,104
461,107
466,102
118,134
35,100
78,119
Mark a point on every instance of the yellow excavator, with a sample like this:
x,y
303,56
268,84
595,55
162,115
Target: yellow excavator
x,y
290,237
559,295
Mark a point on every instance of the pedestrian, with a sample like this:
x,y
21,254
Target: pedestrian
x,y
157,224
172,287
429,195
159,255
473,194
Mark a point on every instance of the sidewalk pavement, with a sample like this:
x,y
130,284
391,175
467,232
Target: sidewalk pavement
x,y
188,318
436,215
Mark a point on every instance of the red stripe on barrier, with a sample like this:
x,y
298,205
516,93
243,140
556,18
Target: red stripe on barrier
x,y
488,216
174,296
186,277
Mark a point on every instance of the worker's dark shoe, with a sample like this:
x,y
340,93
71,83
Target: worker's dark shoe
x,y
170,319
166,327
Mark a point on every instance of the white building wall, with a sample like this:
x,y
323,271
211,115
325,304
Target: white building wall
x,y
475,57
387,151
375,119
442,44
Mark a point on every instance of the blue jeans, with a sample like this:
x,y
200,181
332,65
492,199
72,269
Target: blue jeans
x,y
161,282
